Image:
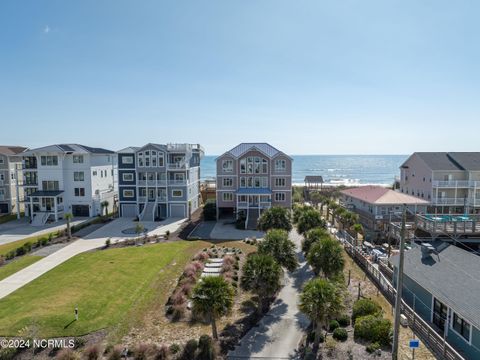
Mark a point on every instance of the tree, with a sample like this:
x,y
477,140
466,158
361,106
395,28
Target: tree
x,y
261,275
309,219
280,247
104,205
68,217
275,218
298,211
320,300
213,297
326,256
311,237
358,229
316,198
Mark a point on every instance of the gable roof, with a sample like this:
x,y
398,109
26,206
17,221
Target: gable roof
x,y
451,276
11,150
128,150
450,160
68,148
264,148
379,195
313,179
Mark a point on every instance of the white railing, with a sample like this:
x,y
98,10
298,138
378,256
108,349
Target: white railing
x,y
177,182
177,165
455,184
450,201
152,183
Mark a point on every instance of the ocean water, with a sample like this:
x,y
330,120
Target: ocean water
x,y
335,169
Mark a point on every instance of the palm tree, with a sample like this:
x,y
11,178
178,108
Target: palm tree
x,y
311,237
320,300
213,297
275,218
278,245
104,205
309,219
68,217
261,275
326,257
358,229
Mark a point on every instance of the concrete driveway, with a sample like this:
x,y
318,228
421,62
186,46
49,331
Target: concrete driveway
x,y
96,239
21,229
226,231
279,332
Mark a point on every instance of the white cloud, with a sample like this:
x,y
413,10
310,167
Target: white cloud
x,y
46,30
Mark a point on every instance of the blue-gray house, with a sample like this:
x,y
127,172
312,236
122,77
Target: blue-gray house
x,y
442,285
157,181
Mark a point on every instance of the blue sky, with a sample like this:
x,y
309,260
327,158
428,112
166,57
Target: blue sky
x,y
309,76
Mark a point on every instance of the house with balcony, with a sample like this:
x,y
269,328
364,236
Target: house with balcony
x,y
449,181
378,206
252,177
11,192
68,178
157,181
441,285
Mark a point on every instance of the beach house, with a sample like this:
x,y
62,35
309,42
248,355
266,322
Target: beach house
x,y
10,193
252,177
157,181
68,178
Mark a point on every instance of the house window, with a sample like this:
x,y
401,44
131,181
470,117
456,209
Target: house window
x,y
2,177
177,193
243,182
78,159
264,166
439,314
127,177
2,192
243,166
50,185
127,160
128,193
227,196
227,182
79,191
49,160
461,327
160,159
179,177
94,173
281,165
2,161
280,196
280,182
78,176
227,165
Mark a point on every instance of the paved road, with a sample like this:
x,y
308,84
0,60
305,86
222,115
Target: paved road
x,y
280,331
112,230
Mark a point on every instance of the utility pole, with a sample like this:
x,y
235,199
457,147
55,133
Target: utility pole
x,y
398,298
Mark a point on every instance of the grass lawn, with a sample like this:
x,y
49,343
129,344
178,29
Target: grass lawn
x,y
6,248
112,288
17,265
9,217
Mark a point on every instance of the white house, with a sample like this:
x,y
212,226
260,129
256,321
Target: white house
x,y
68,178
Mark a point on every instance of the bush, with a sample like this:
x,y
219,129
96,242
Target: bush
x,y
8,353
2,260
210,210
20,251
174,348
79,342
364,307
311,337
141,352
178,311
67,354
115,353
10,255
344,320
374,329
162,353
340,334
44,241
333,325
108,242
206,351
92,352
373,347
189,350
198,265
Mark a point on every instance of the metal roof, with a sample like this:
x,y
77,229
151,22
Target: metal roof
x,y
254,191
11,150
68,148
313,179
459,161
265,148
451,276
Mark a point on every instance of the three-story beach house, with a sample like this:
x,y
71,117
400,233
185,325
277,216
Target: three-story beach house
x,y
159,181
10,192
252,177
449,181
68,178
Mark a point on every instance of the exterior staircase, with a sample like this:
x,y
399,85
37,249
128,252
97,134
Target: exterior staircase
x,y
148,211
252,219
40,219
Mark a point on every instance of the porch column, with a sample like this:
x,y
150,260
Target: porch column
x,y
31,208
259,208
55,207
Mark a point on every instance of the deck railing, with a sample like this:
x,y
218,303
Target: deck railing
x,y
431,338
455,184
449,224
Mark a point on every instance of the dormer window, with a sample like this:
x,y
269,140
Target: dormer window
x,y
227,165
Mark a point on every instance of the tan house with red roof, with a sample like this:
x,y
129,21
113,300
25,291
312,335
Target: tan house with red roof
x,y
376,204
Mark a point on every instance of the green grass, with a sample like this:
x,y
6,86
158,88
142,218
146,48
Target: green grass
x,y
6,248
9,217
110,287
17,265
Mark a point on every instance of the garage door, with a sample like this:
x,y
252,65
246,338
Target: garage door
x,y
80,210
3,208
129,210
177,210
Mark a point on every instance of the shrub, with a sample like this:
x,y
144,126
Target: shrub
x,y
190,271
340,334
50,237
162,353
167,234
333,325
115,353
92,352
67,354
373,347
2,260
365,307
227,268
229,260
8,353
374,329
344,320
108,242
79,342
206,351
10,255
174,348
178,297
189,350
44,241
141,352
311,337
197,265
178,311
20,251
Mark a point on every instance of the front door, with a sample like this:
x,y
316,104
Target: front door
x,y
253,200
151,194
48,203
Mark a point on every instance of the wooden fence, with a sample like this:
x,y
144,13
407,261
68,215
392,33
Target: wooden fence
x,y
432,339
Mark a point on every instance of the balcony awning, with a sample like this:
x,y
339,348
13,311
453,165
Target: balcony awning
x,y
254,191
46,193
